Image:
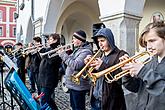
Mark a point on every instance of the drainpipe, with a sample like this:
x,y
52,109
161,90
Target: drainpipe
x,y
32,9
32,15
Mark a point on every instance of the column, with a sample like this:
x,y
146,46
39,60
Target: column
x,y
123,18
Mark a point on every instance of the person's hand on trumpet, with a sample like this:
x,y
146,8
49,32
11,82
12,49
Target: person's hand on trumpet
x,y
60,50
134,66
96,63
87,59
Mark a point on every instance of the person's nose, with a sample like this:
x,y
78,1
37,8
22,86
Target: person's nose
x,y
100,44
149,47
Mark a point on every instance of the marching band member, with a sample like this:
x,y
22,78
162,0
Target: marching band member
x,y
35,63
27,67
20,61
75,62
105,96
148,80
49,71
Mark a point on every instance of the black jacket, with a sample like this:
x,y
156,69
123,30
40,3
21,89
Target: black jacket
x,y
49,69
21,65
149,87
35,62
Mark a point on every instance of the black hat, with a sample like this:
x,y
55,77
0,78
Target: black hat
x,y
81,35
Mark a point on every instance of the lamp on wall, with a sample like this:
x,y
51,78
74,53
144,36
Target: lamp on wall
x,y
21,7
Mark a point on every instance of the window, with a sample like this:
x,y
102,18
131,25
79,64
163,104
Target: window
x,y
1,31
1,15
14,31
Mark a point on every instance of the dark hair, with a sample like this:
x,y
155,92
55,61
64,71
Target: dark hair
x,y
158,26
55,36
37,39
19,44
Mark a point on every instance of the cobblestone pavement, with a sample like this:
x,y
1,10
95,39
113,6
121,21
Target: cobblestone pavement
x,y
62,99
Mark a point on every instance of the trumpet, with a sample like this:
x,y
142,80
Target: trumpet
x,y
107,72
15,53
53,52
33,50
76,77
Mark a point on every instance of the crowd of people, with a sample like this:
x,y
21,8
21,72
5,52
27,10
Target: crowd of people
x,y
147,81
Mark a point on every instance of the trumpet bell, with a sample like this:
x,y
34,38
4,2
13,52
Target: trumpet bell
x,y
76,80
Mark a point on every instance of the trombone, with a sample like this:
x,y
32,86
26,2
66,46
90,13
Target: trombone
x,y
76,77
107,72
53,52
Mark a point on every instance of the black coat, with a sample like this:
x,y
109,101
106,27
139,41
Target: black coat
x,y
113,95
35,62
149,86
21,65
49,70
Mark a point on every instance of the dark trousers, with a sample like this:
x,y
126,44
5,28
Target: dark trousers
x,y
47,98
31,80
35,77
77,99
21,74
95,104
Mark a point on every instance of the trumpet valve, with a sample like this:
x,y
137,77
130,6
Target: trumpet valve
x,y
93,79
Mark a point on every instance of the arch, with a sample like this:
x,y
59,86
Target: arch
x,y
76,16
60,13
8,42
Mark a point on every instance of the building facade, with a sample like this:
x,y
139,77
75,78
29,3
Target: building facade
x,y
7,23
126,18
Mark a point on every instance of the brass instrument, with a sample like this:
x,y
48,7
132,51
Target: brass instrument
x,y
24,50
33,49
111,69
53,52
15,53
76,77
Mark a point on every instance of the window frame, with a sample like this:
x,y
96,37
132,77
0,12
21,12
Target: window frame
x,y
1,15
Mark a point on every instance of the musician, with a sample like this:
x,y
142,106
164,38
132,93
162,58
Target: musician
x,y
75,62
148,80
20,61
35,63
49,71
27,67
106,96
